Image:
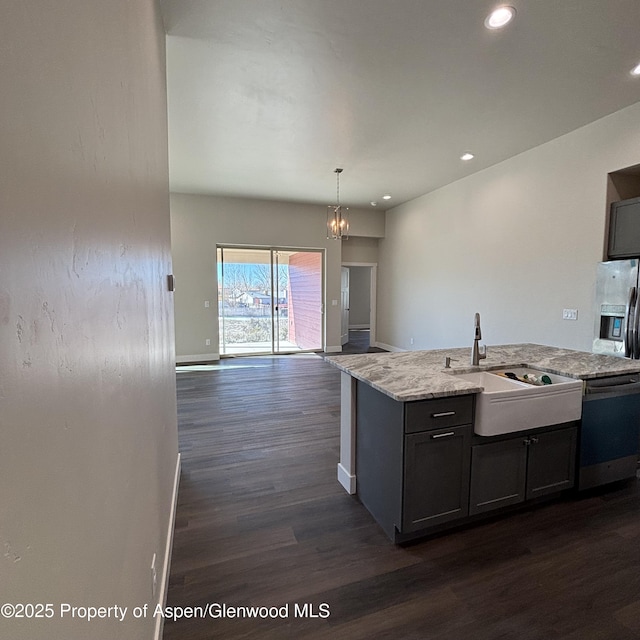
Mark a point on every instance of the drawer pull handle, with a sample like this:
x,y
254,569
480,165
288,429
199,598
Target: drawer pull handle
x,y
443,414
443,435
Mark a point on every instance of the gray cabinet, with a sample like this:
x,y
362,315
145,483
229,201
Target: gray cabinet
x,y
421,469
498,474
551,462
520,468
413,460
436,477
438,414
624,229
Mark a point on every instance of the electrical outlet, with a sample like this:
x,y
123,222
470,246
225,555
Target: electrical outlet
x,y
206,304
154,576
207,342
569,314
411,341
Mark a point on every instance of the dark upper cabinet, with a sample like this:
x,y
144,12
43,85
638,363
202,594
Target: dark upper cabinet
x,y
624,229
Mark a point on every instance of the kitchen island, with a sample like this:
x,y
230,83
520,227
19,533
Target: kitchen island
x,y
396,386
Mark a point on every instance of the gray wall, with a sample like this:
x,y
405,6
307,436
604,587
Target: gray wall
x,y
87,386
361,249
517,242
199,223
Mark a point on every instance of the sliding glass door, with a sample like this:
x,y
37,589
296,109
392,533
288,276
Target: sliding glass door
x,y
269,300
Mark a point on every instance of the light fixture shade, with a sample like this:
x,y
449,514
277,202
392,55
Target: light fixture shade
x,y
337,215
337,222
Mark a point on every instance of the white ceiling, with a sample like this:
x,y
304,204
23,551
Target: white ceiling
x,y
268,97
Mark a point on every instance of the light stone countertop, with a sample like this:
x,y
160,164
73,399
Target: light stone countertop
x,y
420,375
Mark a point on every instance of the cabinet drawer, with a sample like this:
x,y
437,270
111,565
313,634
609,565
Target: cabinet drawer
x,y
438,414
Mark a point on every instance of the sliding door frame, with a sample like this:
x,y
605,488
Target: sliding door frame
x,y
274,290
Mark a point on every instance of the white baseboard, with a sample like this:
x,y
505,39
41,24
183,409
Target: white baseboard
x,y
359,326
333,349
198,357
388,347
164,580
346,479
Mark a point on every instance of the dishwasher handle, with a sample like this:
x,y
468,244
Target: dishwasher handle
x,y
622,386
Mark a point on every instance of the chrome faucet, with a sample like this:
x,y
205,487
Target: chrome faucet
x,y
476,353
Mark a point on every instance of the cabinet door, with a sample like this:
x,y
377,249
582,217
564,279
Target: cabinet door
x,y
624,229
436,477
498,474
552,462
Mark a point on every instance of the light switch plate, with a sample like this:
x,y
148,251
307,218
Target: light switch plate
x,y
569,314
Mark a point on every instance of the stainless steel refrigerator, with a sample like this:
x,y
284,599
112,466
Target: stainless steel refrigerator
x,y
617,317
609,432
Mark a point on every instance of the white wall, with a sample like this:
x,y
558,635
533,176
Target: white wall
x,y
199,223
517,242
87,388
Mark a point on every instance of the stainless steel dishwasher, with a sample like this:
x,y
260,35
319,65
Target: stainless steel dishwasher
x,y
610,431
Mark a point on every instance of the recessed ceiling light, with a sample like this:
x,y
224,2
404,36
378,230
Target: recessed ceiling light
x,y
467,156
386,196
500,17
374,204
636,70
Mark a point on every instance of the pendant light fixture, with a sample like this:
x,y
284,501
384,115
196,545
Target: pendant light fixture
x,y
337,218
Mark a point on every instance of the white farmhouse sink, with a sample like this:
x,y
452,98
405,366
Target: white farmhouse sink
x,y
507,406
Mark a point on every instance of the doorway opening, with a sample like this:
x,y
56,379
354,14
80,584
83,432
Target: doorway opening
x,y
358,307
270,301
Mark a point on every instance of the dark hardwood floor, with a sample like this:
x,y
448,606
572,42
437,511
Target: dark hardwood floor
x,y
262,521
359,342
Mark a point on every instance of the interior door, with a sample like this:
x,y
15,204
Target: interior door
x,y
344,305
